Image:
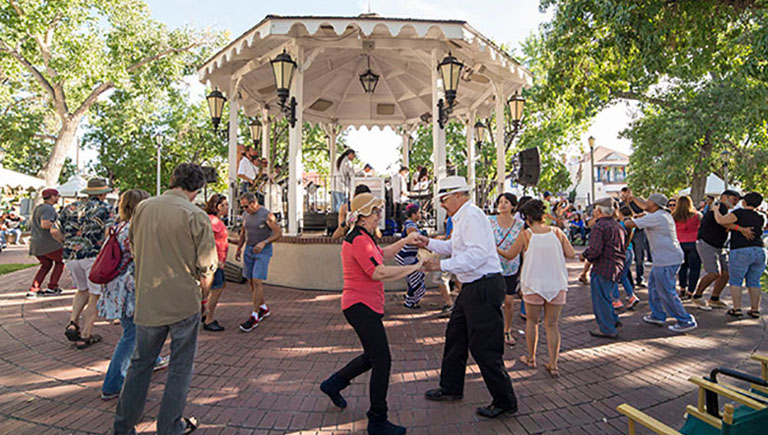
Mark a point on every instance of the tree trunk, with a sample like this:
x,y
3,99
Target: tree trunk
x,y
64,140
698,187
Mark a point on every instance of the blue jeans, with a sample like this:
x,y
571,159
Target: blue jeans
x,y
121,357
663,298
337,199
602,290
691,267
149,343
624,279
746,266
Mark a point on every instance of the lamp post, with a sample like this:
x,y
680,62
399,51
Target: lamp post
x,y
159,140
725,155
591,141
450,71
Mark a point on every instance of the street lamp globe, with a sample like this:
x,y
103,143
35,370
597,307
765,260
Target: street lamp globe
x,y
516,105
591,141
450,71
255,127
480,131
725,156
283,68
216,106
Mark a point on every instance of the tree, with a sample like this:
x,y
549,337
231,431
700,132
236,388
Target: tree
x,y
69,53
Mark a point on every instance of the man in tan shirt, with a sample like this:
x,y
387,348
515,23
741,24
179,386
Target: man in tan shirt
x,y
175,254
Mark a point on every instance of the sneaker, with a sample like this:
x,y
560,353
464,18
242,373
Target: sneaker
x,y
701,304
50,292
683,327
641,284
446,309
412,307
632,302
263,313
33,295
162,363
652,321
213,326
617,304
109,396
250,324
717,304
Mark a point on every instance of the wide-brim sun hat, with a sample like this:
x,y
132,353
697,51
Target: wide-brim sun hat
x,y
364,203
96,186
449,185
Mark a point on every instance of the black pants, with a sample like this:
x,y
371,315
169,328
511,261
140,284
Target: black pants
x,y
370,329
639,245
477,325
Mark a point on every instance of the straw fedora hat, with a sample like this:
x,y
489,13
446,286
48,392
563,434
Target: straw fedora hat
x,y
97,186
452,184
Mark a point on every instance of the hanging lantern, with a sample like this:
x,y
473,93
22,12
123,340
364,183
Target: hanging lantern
x,y
369,80
255,127
480,131
450,71
216,106
283,68
516,104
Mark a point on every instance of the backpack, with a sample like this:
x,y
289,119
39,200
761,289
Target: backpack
x,y
107,264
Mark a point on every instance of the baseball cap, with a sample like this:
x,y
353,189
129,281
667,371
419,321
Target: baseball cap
x,y
47,193
658,199
731,192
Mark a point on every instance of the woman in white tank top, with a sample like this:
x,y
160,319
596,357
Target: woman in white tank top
x,y
543,280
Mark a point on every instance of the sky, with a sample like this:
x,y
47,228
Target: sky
x,y
508,22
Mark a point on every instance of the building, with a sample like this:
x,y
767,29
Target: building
x,y
611,169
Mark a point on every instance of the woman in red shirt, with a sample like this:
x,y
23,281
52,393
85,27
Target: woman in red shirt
x,y
217,207
362,302
687,221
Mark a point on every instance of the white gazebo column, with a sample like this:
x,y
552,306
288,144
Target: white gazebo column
x,y
265,145
295,166
406,136
470,126
438,140
501,161
232,157
332,131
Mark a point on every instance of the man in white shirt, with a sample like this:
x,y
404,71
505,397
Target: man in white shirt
x,y
400,194
476,322
246,170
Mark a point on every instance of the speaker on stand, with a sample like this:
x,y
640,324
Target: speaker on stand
x,y
527,167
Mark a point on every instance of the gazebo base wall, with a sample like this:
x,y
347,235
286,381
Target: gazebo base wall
x,y
309,263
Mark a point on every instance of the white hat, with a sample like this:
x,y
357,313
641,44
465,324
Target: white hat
x,y
452,184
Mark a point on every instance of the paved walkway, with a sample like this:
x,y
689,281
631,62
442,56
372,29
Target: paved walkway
x,y
267,381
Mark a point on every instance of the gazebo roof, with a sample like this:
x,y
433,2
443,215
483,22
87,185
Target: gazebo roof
x,y
336,51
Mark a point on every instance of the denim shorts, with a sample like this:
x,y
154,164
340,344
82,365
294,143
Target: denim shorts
x,y
255,266
746,264
218,279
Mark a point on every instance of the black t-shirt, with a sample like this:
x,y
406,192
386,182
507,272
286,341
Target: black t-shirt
x,y
712,232
635,209
748,219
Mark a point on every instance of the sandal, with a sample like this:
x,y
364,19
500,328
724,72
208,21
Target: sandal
x,y
734,312
528,362
509,340
755,314
191,423
554,372
583,279
72,332
87,342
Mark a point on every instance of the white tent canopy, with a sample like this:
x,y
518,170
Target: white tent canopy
x,y
715,186
72,187
332,52
15,180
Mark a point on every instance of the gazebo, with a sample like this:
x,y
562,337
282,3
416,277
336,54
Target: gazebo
x,y
362,71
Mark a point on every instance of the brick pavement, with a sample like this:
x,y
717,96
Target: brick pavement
x,y
267,381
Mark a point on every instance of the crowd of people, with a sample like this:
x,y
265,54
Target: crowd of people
x,y
168,258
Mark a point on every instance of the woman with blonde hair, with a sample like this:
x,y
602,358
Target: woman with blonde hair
x,y
687,221
118,300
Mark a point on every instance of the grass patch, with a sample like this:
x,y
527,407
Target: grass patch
x,y
764,282
8,268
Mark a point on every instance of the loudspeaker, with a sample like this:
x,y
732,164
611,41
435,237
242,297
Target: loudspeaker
x,y
210,173
530,166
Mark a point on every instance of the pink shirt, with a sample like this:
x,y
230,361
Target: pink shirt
x,y
220,235
359,257
688,231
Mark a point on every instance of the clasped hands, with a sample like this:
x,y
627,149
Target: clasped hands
x,y
420,241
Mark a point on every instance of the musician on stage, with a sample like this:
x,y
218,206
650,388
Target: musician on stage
x,y
400,194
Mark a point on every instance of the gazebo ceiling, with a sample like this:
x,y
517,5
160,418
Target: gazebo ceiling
x,y
335,53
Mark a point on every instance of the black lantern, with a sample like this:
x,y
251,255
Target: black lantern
x,y
450,71
516,104
255,127
725,156
283,68
369,80
216,106
480,131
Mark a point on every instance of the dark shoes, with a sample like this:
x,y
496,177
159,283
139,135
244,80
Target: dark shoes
x,y
213,326
384,427
332,387
493,411
440,395
600,334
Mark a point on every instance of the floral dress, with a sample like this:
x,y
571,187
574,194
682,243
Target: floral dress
x,y
505,238
118,297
